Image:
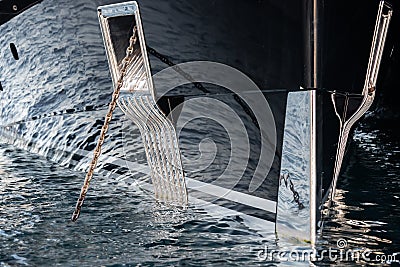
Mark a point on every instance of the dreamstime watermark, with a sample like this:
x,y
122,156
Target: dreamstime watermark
x,y
216,131
340,253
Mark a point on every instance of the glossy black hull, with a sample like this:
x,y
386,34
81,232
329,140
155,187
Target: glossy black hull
x,y
283,47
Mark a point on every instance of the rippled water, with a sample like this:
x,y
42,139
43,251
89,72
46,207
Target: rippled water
x,y
365,210
123,226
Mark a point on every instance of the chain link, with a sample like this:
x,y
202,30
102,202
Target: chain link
x,y
176,68
296,197
125,63
198,85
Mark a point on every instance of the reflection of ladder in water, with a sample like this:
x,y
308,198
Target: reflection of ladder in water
x,y
137,100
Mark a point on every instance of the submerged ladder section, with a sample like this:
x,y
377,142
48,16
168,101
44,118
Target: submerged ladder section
x,y
138,101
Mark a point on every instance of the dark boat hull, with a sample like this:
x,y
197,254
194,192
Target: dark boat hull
x,y
54,97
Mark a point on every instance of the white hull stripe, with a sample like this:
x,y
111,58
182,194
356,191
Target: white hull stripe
x,y
210,189
262,226
215,190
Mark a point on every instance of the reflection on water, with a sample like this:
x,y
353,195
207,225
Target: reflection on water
x,y
365,211
122,225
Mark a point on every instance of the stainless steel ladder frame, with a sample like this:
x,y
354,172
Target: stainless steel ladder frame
x,y
138,101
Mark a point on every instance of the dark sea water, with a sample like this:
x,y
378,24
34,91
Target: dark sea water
x,y
366,211
122,226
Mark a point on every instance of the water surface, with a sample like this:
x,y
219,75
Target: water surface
x,y
122,225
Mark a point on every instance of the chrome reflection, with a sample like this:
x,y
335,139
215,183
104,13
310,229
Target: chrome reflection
x,y
368,93
138,102
294,217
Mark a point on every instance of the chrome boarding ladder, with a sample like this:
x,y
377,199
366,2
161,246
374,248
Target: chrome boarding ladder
x,y
138,101
368,94
297,216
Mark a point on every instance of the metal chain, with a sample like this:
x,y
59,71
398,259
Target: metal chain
x,y
296,197
176,68
198,85
111,108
